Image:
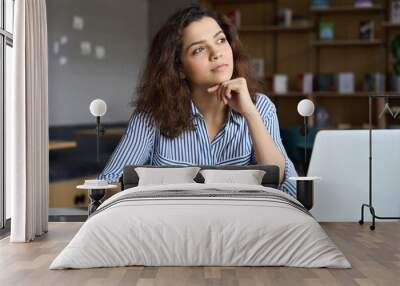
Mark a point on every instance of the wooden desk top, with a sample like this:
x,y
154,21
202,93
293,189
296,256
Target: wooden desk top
x,y
109,132
61,144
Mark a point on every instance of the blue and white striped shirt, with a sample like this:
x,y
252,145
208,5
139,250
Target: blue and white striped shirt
x,y
143,144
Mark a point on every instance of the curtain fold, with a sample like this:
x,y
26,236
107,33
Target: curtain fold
x,y
27,123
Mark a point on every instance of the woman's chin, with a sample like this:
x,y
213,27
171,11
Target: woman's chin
x,y
220,78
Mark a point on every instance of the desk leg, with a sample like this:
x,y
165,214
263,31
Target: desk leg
x,y
95,195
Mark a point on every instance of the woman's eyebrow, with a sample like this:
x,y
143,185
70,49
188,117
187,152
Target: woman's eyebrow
x,y
202,41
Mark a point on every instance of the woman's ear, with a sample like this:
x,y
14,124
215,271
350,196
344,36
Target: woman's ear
x,y
182,75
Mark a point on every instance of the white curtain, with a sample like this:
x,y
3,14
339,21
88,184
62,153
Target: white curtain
x,y
27,140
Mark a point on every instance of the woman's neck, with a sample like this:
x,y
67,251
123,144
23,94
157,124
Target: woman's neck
x,y
210,106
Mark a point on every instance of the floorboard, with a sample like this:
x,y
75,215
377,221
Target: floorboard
x,y
374,255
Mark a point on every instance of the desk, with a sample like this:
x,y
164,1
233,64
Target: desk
x,y
61,144
108,132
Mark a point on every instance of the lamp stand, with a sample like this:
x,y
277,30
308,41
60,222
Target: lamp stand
x,y
305,145
369,205
99,132
303,132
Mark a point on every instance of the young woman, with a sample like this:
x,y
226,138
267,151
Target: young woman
x,y
197,103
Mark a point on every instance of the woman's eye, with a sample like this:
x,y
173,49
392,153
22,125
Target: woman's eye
x,y
196,51
222,40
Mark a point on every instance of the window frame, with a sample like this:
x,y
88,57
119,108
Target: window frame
x,y
6,39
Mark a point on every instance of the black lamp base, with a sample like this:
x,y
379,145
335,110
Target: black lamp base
x,y
305,193
99,132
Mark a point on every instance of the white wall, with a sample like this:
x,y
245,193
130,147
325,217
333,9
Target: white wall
x,y
122,28
125,28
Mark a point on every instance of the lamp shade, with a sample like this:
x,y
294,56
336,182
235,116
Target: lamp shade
x,y
305,107
98,107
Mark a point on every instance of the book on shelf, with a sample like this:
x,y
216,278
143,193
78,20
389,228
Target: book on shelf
x,y
394,82
235,16
326,30
395,11
366,31
374,82
320,4
280,84
346,83
326,82
306,82
363,3
258,66
322,117
285,17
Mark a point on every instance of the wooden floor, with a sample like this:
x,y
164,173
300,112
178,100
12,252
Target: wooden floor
x,y
374,255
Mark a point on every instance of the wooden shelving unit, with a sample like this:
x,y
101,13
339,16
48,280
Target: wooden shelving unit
x,y
357,94
348,43
275,28
291,94
347,9
234,1
390,25
297,49
347,53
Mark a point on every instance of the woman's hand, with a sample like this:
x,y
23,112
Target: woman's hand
x,y
236,94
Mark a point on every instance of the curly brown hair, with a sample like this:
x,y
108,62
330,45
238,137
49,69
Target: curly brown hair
x,y
161,92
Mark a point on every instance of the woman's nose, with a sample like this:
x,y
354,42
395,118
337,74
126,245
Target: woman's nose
x,y
216,54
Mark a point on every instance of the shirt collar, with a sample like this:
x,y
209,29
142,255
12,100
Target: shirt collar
x,y
232,115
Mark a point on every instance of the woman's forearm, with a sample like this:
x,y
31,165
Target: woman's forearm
x,y
267,153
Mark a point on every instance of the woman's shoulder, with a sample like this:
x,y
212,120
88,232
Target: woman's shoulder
x,y
142,118
264,104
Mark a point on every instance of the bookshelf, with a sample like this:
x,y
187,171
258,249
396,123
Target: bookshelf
x,y
275,28
390,25
348,7
348,43
297,49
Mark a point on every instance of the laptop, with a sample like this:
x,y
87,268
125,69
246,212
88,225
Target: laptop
x,y
340,158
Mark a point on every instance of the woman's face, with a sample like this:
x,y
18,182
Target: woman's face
x,y
206,55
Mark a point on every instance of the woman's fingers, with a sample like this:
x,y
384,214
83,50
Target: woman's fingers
x,y
227,93
224,90
223,93
217,89
213,88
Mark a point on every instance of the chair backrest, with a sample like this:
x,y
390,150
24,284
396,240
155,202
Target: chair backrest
x,y
130,178
293,140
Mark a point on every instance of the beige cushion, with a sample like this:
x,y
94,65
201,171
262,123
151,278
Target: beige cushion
x,y
162,176
249,177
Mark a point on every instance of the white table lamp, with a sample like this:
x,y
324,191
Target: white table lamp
x,y
98,108
305,108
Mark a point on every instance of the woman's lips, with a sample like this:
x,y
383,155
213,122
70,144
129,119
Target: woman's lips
x,y
220,68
